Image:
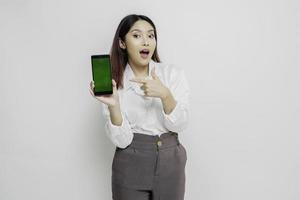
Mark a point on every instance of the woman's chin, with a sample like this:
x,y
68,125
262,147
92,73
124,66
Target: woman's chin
x,y
142,61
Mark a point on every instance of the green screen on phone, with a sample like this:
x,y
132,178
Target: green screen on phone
x,y
102,74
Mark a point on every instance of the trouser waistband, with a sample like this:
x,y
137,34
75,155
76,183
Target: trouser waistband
x,y
165,140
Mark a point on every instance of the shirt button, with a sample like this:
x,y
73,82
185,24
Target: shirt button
x,y
159,143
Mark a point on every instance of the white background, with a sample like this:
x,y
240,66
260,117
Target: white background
x,y
241,59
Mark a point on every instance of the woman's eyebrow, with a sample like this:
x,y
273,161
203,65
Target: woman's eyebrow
x,y
140,30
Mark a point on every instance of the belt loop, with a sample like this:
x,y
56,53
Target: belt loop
x,y
176,135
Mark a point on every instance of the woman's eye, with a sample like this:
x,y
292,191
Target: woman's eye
x,y
151,36
136,36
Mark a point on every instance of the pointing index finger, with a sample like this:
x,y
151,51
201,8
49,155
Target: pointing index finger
x,y
138,80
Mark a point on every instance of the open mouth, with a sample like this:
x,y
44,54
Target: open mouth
x,y
144,53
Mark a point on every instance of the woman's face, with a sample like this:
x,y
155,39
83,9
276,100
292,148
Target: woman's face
x,y
140,43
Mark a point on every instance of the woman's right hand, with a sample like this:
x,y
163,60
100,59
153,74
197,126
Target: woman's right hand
x,y
108,99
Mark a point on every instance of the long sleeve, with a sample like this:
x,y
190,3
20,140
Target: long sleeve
x,y
178,119
122,135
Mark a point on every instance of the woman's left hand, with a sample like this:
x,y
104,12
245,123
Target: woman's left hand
x,y
154,87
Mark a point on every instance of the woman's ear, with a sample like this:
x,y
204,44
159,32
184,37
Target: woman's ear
x,y
122,44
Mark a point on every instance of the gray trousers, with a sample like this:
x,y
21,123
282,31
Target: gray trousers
x,y
150,168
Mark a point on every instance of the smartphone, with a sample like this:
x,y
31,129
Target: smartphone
x,y
102,74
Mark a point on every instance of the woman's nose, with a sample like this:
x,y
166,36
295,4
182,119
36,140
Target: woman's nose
x,y
145,41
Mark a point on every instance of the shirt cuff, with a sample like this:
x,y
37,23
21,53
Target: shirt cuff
x,y
118,129
120,135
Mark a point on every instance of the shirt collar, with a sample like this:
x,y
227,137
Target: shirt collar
x,y
128,74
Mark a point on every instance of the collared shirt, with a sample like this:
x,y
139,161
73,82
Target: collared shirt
x,y
145,115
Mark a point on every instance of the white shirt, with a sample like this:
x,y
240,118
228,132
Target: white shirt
x,y
142,114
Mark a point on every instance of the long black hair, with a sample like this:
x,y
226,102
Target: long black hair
x,y
119,56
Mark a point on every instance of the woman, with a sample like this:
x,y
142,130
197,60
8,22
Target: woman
x,y
147,109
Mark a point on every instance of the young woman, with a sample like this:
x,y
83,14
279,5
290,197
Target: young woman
x,y
148,108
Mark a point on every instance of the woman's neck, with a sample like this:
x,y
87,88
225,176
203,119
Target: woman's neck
x,y
139,70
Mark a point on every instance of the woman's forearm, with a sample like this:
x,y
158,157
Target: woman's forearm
x,y
115,115
168,102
